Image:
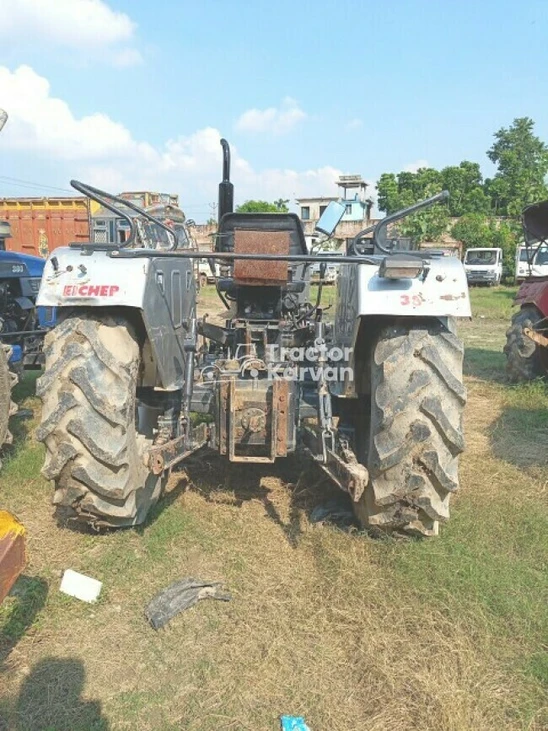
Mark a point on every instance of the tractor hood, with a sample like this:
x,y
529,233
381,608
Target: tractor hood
x,y
12,261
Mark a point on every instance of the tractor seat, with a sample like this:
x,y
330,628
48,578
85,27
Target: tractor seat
x,y
260,222
275,234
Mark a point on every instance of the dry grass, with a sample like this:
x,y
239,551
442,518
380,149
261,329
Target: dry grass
x,y
350,632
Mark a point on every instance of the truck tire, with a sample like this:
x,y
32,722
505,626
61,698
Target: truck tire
x,y
524,358
7,406
414,435
94,452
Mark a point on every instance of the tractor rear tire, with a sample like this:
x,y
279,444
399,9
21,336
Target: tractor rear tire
x,y
94,452
8,408
524,358
414,435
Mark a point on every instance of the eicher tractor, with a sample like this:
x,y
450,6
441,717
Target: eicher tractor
x,y
526,346
374,397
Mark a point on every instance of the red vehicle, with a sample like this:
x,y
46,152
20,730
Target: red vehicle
x,y
37,226
526,346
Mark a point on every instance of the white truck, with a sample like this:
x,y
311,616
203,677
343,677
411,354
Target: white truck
x,y
483,266
532,262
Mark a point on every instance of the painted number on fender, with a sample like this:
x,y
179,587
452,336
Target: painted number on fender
x,y
414,300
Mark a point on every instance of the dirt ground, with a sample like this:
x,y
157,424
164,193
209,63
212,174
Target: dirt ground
x,y
350,632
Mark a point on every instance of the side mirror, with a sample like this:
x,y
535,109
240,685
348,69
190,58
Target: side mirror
x,y
330,218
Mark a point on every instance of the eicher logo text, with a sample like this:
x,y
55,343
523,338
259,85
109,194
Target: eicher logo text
x,y
90,290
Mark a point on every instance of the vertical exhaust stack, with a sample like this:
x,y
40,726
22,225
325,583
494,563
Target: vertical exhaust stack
x,y
226,189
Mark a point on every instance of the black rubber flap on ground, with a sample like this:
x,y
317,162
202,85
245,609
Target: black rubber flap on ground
x,y
182,595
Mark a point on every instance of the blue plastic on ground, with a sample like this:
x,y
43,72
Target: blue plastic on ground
x,y
17,354
293,723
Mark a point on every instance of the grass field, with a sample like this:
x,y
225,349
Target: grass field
x,y
353,633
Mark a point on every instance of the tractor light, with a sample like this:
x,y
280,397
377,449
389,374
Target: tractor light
x,y
401,267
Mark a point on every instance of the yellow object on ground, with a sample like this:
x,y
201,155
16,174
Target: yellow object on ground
x,y
12,551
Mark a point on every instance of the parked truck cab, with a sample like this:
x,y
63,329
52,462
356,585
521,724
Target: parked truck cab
x,y
483,266
523,257
531,262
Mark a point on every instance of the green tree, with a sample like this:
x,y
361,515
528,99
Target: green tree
x,y
465,185
281,204
388,194
506,235
477,231
425,182
522,165
261,207
401,191
426,225
473,231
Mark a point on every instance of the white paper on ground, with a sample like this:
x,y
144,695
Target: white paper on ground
x,y
80,586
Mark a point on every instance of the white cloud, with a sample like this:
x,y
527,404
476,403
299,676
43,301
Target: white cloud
x,y
354,123
90,26
101,151
39,121
274,120
412,167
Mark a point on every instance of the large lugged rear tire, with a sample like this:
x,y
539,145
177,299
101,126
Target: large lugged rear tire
x,y
7,406
415,431
524,360
94,453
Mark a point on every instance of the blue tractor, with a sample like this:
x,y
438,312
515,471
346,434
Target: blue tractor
x,y
22,324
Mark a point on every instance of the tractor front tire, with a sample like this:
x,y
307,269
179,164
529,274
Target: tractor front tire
x,y
414,436
524,358
94,452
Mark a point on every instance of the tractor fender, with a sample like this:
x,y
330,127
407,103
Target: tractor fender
x,y
366,302
535,293
160,291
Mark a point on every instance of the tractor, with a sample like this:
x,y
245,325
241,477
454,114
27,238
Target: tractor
x,y
22,327
526,346
374,395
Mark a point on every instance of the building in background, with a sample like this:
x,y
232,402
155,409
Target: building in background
x,y
357,215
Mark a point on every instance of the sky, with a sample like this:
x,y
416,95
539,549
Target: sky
x,y
133,95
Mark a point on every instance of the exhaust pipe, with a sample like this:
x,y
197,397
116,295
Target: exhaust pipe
x,y
226,189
